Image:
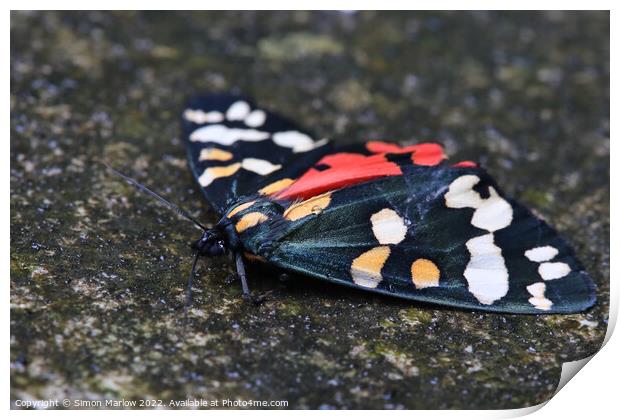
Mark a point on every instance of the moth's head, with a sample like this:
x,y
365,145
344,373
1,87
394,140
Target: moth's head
x,y
212,243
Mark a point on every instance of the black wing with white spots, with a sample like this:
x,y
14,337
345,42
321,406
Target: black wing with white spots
x,y
443,234
235,148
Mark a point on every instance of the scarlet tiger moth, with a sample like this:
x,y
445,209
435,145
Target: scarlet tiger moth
x,y
391,219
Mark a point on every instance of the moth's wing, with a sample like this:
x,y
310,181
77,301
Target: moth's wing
x,y
235,148
445,235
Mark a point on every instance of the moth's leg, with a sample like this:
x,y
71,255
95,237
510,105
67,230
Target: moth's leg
x,y
188,288
242,275
244,281
230,278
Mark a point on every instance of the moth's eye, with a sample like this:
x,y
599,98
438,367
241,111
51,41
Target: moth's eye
x,y
218,248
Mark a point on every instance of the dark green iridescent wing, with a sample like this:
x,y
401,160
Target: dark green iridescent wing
x,y
445,235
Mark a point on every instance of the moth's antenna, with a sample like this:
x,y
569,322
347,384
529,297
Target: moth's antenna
x,y
178,210
188,291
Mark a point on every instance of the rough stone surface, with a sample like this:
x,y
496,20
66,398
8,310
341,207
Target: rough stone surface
x,y
98,270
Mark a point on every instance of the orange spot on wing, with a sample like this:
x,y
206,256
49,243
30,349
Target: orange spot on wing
x,y
366,269
239,208
213,153
315,205
211,174
276,186
424,273
250,220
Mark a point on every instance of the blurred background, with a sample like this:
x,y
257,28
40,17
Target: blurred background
x,y
98,271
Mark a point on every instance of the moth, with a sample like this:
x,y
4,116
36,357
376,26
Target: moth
x,y
397,220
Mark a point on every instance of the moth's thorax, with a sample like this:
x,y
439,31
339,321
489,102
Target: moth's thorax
x,y
264,205
247,214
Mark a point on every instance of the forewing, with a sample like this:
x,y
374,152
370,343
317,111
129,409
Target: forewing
x,y
235,148
442,234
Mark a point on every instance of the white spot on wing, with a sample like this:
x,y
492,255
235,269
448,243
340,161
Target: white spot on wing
x,y
494,213
460,193
486,271
226,136
538,299
206,178
256,118
553,270
316,145
541,253
297,141
546,269
260,166
388,227
238,111
198,116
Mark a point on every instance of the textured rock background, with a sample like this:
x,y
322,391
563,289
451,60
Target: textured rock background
x,y
98,270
